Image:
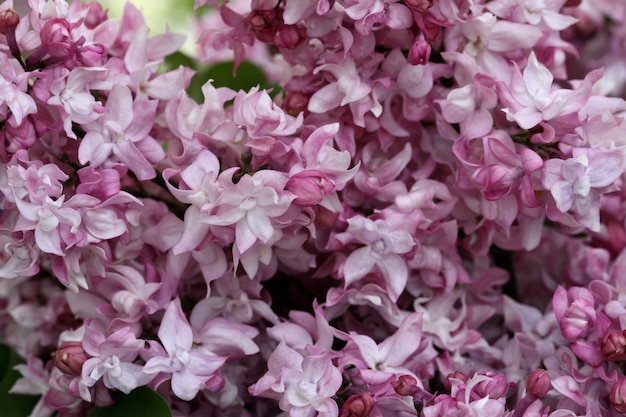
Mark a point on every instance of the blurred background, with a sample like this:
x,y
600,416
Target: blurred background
x,y
158,13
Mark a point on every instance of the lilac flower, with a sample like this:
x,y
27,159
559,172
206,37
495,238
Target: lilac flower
x,y
578,182
123,132
384,247
190,369
531,98
12,93
304,385
112,361
249,206
348,87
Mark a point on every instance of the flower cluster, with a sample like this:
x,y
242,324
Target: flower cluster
x,y
425,217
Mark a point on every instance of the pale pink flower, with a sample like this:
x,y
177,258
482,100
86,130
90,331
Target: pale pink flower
x,y
17,258
542,13
577,183
383,250
379,363
487,40
304,385
112,361
347,87
122,134
190,369
261,117
470,106
531,98
13,84
249,206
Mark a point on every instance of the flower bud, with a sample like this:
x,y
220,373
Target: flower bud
x,y
69,358
264,23
419,54
618,395
309,186
55,37
289,36
93,55
419,5
613,346
9,19
572,3
538,383
358,405
295,102
405,385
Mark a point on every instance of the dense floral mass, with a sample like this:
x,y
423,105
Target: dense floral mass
x,y
425,216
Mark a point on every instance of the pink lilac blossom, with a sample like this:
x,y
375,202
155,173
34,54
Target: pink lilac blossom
x,y
424,216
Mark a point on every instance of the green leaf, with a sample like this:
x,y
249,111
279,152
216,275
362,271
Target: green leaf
x,y
175,60
247,76
12,405
141,402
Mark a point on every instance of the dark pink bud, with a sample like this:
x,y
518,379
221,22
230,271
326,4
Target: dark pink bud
x,y
572,3
405,385
295,102
288,37
93,55
358,405
9,19
69,358
309,186
618,395
538,383
419,5
613,346
55,37
419,54
264,23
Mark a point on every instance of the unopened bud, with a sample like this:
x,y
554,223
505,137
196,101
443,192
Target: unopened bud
x,y
419,5
405,385
309,186
618,395
264,23
358,405
9,19
289,36
69,358
419,54
295,102
613,346
538,383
